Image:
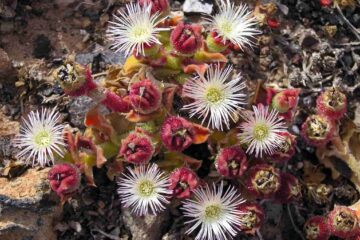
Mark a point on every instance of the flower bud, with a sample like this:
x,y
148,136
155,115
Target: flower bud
x,y
64,179
263,181
177,133
316,228
231,162
161,6
75,79
343,222
145,96
186,38
290,189
115,102
273,23
332,103
215,43
183,181
326,3
137,148
317,130
286,150
285,102
252,217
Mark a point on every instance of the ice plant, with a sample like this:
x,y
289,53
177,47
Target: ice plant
x,y
64,179
231,161
214,211
290,189
186,38
234,23
137,148
286,150
252,217
183,181
177,133
332,103
261,131
318,130
145,96
144,189
263,181
135,30
316,228
217,96
343,222
40,138
161,6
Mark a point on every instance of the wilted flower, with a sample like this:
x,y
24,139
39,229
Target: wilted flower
x,y
177,133
318,130
252,217
261,131
144,190
145,96
290,189
183,181
75,79
137,148
231,161
343,222
286,150
40,137
186,38
216,96
161,6
332,103
215,212
64,179
134,30
316,228
263,181
234,23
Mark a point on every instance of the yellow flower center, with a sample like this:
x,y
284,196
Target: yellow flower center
x,y
146,188
140,33
42,139
261,132
213,212
226,27
214,95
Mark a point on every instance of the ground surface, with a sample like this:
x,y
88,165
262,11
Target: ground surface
x,y
36,35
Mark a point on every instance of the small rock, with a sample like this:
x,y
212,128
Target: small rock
x,y
42,47
150,227
77,110
7,26
197,6
27,209
7,72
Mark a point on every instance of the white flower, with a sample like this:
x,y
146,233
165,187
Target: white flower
x,y
135,29
215,96
234,23
144,189
214,212
260,131
40,137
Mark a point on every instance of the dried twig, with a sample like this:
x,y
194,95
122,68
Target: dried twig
x,y
293,223
352,28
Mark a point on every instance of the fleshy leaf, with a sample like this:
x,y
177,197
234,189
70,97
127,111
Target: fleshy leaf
x,y
201,134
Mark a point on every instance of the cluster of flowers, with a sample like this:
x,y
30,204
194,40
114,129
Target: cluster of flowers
x,y
192,64
342,222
